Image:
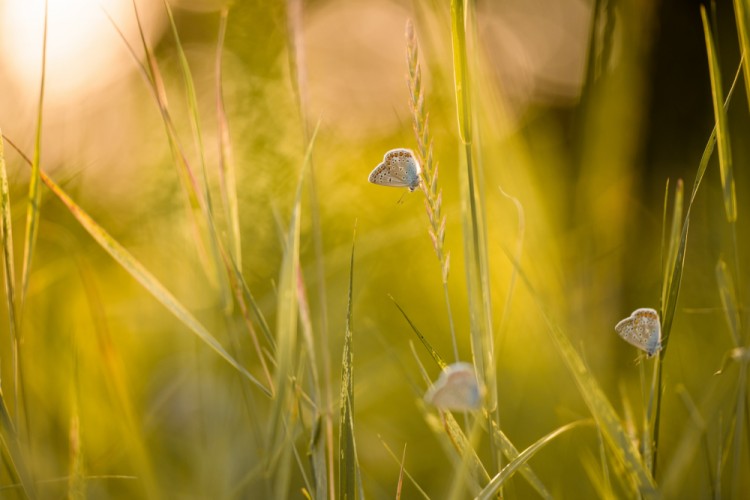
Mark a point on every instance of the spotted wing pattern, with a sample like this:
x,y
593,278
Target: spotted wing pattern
x,y
398,169
642,329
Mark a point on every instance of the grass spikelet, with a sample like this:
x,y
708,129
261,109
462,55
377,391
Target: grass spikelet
x,y
433,194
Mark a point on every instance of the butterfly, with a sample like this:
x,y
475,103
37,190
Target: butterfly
x,y
456,389
398,169
642,329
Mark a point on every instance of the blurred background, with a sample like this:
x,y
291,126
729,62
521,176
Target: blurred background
x,y
586,149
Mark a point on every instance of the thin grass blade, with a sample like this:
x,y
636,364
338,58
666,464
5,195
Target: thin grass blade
x,y
14,459
741,11
433,352
133,267
675,260
286,328
226,159
728,300
32,214
6,234
348,466
614,434
402,466
499,438
401,474
116,381
460,69
722,128
504,444
471,461
510,469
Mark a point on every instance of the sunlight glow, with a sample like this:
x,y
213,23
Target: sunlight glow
x,y
84,50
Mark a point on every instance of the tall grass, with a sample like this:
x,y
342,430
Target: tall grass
x,y
249,409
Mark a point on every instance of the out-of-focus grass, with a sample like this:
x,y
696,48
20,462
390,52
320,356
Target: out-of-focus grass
x,y
233,394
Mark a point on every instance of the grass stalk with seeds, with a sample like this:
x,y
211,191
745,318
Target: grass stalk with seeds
x,y
433,194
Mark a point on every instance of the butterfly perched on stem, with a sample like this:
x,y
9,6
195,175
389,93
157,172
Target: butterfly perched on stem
x,y
398,169
642,329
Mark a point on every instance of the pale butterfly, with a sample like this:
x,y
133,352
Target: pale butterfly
x,y
398,169
456,389
642,329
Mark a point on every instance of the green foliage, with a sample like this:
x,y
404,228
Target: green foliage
x,y
228,385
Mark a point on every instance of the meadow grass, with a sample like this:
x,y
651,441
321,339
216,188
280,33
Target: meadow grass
x,y
234,398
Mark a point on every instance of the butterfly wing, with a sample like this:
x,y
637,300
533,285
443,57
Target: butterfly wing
x,y
456,389
399,169
386,175
642,329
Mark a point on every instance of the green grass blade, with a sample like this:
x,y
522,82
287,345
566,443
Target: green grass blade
x,y
741,11
511,453
133,267
226,159
192,99
115,377
510,469
665,264
474,237
461,69
433,352
499,438
614,433
402,466
722,128
76,466
728,300
6,234
32,214
14,458
286,326
192,103
675,259
348,466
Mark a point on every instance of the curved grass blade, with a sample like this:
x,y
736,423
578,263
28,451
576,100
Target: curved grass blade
x,y
349,474
614,434
32,214
470,461
722,129
455,433
510,469
741,10
511,453
115,378
133,267
674,268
